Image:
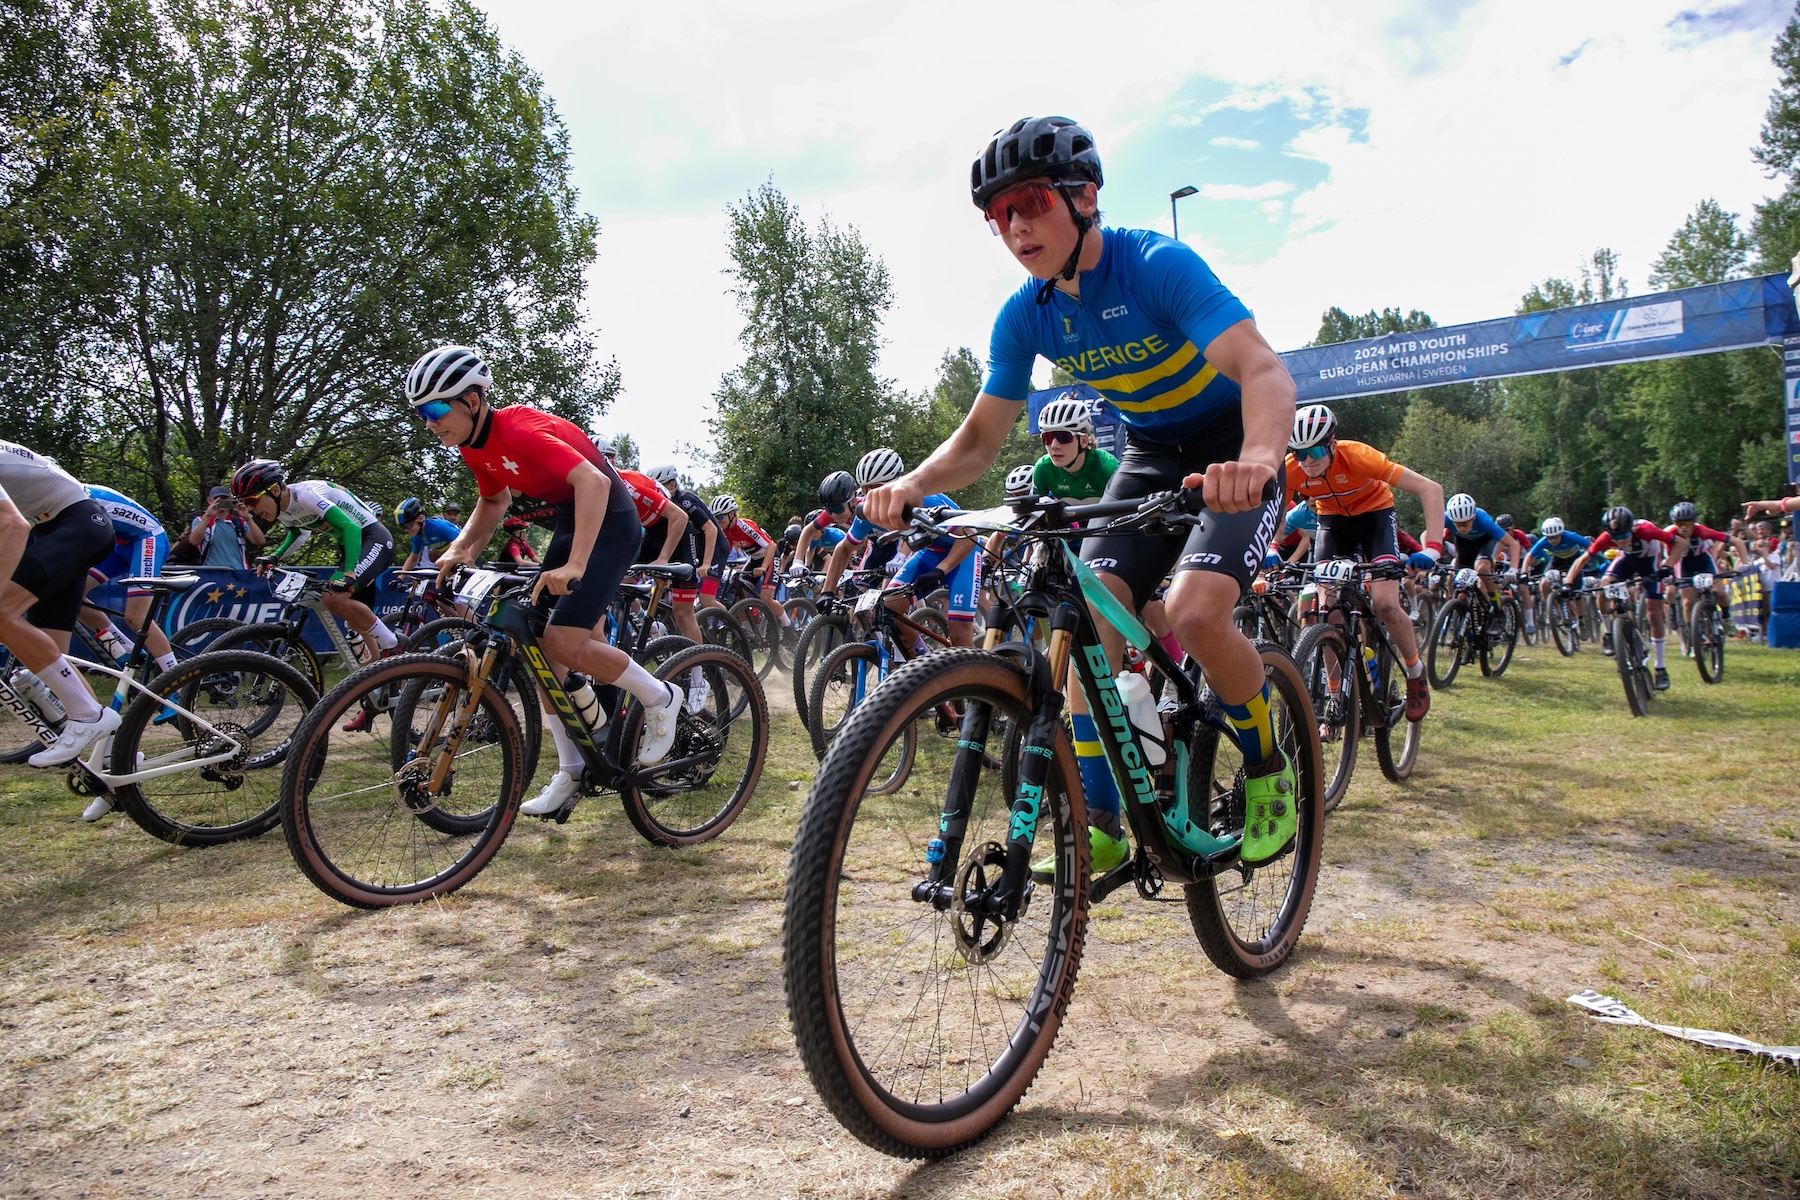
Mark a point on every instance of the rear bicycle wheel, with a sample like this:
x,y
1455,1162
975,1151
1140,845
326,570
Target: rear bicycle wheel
x,y
433,636
720,628
1322,655
763,630
721,739
1709,639
354,823
842,683
1397,766
1628,656
1248,919
921,1029
244,699
1444,647
196,637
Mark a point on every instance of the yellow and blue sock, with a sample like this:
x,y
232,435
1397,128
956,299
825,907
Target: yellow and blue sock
x,y
1096,776
1254,726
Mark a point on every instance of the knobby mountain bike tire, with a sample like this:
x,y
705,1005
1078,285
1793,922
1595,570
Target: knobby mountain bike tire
x,y
245,698
1391,695
761,623
1445,644
1709,640
921,1029
354,824
822,635
1497,651
279,641
1322,652
1628,656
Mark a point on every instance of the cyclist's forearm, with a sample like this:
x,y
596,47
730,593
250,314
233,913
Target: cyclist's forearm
x,y
478,531
835,567
288,538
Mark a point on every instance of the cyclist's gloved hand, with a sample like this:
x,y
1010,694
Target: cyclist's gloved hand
x,y
1421,560
340,584
796,570
927,582
262,564
827,603
1271,561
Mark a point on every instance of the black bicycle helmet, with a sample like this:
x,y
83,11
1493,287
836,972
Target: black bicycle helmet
x,y
256,477
836,489
1685,511
791,535
1618,521
1504,521
1036,148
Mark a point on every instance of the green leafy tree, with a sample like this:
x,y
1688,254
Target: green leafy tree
x,y
807,399
922,423
296,198
1372,419
1708,248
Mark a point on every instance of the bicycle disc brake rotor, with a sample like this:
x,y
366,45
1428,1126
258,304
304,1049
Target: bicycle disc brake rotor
x,y
982,935
231,771
411,780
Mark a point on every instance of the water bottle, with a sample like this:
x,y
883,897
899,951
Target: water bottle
x,y
1135,691
38,694
113,644
1374,668
587,704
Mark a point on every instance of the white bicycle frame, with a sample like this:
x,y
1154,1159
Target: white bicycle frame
x,y
163,764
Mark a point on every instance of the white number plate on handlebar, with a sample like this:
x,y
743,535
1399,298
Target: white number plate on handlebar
x,y
866,602
1467,577
1336,570
1618,591
1703,581
478,586
289,585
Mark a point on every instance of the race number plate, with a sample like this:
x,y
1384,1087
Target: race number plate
x,y
1468,577
478,586
289,585
1336,570
1618,591
1703,581
866,602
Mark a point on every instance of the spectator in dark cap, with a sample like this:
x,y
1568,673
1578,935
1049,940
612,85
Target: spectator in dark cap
x,y
224,533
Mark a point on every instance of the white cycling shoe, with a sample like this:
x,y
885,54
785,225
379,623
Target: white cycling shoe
x,y
547,803
75,737
99,808
659,728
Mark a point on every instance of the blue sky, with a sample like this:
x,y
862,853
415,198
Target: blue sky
x,y
1437,154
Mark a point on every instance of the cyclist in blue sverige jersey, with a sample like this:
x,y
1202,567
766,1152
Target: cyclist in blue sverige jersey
x,y
430,536
1206,403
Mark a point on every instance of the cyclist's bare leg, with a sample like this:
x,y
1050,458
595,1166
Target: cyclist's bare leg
x,y
686,621
356,615
1200,604
36,649
1385,593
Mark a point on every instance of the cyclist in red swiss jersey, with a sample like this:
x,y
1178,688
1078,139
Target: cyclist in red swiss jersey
x,y
741,533
520,451
1641,547
1683,520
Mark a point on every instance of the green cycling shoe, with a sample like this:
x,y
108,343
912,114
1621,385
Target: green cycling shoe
x,y
1104,854
1271,814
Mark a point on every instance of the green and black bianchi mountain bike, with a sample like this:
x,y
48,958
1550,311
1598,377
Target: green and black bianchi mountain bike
x,y
929,960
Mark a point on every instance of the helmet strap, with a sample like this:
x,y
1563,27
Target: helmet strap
x,y
480,417
1082,225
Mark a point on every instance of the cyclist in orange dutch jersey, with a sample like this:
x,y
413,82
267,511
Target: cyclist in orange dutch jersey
x,y
1350,486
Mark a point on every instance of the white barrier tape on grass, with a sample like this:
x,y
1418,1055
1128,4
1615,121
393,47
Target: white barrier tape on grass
x,y
1605,1008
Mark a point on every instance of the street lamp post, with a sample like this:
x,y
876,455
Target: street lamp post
x,y
1175,217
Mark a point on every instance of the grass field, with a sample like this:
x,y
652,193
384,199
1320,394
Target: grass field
x,y
593,1017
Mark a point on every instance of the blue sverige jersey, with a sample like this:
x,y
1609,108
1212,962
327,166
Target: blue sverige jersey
x,y
862,527
1138,334
434,535
1300,519
131,521
1571,545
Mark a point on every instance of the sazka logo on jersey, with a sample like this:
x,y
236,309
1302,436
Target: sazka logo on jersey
x,y
509,464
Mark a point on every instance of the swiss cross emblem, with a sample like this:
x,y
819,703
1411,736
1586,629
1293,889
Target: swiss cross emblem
x,y
509,464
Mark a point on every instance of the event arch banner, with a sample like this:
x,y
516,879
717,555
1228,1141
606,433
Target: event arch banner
x,y
1696,320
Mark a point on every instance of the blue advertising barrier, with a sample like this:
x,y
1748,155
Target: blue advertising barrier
x,y
1696,320
245,596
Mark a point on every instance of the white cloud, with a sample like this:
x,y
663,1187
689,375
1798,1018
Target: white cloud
x,y
1236,143
1242,191
1488,164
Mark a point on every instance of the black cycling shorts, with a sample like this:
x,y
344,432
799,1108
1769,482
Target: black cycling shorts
x,y
1471,550
1369,537
615,549
377,556
1227,543
1642,565
54,567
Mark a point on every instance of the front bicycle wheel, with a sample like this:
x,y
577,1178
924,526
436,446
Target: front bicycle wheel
x,y
721,738
433,636
1562,628
922,1027
720,628
763,631
196,637
1444,648
1248,919
1709,640
840,685
1497,652
250,707
355,825
1323,657
1628,656
822,635
1392,698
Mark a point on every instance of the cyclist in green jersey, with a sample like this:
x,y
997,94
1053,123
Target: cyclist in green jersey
x,y
1073,467
303,507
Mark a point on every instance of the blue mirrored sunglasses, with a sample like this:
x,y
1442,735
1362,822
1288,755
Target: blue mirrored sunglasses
x,y
432,410
1313,452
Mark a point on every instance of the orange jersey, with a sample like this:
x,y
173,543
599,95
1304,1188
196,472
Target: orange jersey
x,y
1357,481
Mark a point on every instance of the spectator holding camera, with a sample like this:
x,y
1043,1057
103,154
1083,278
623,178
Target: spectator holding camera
x,y
224,533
